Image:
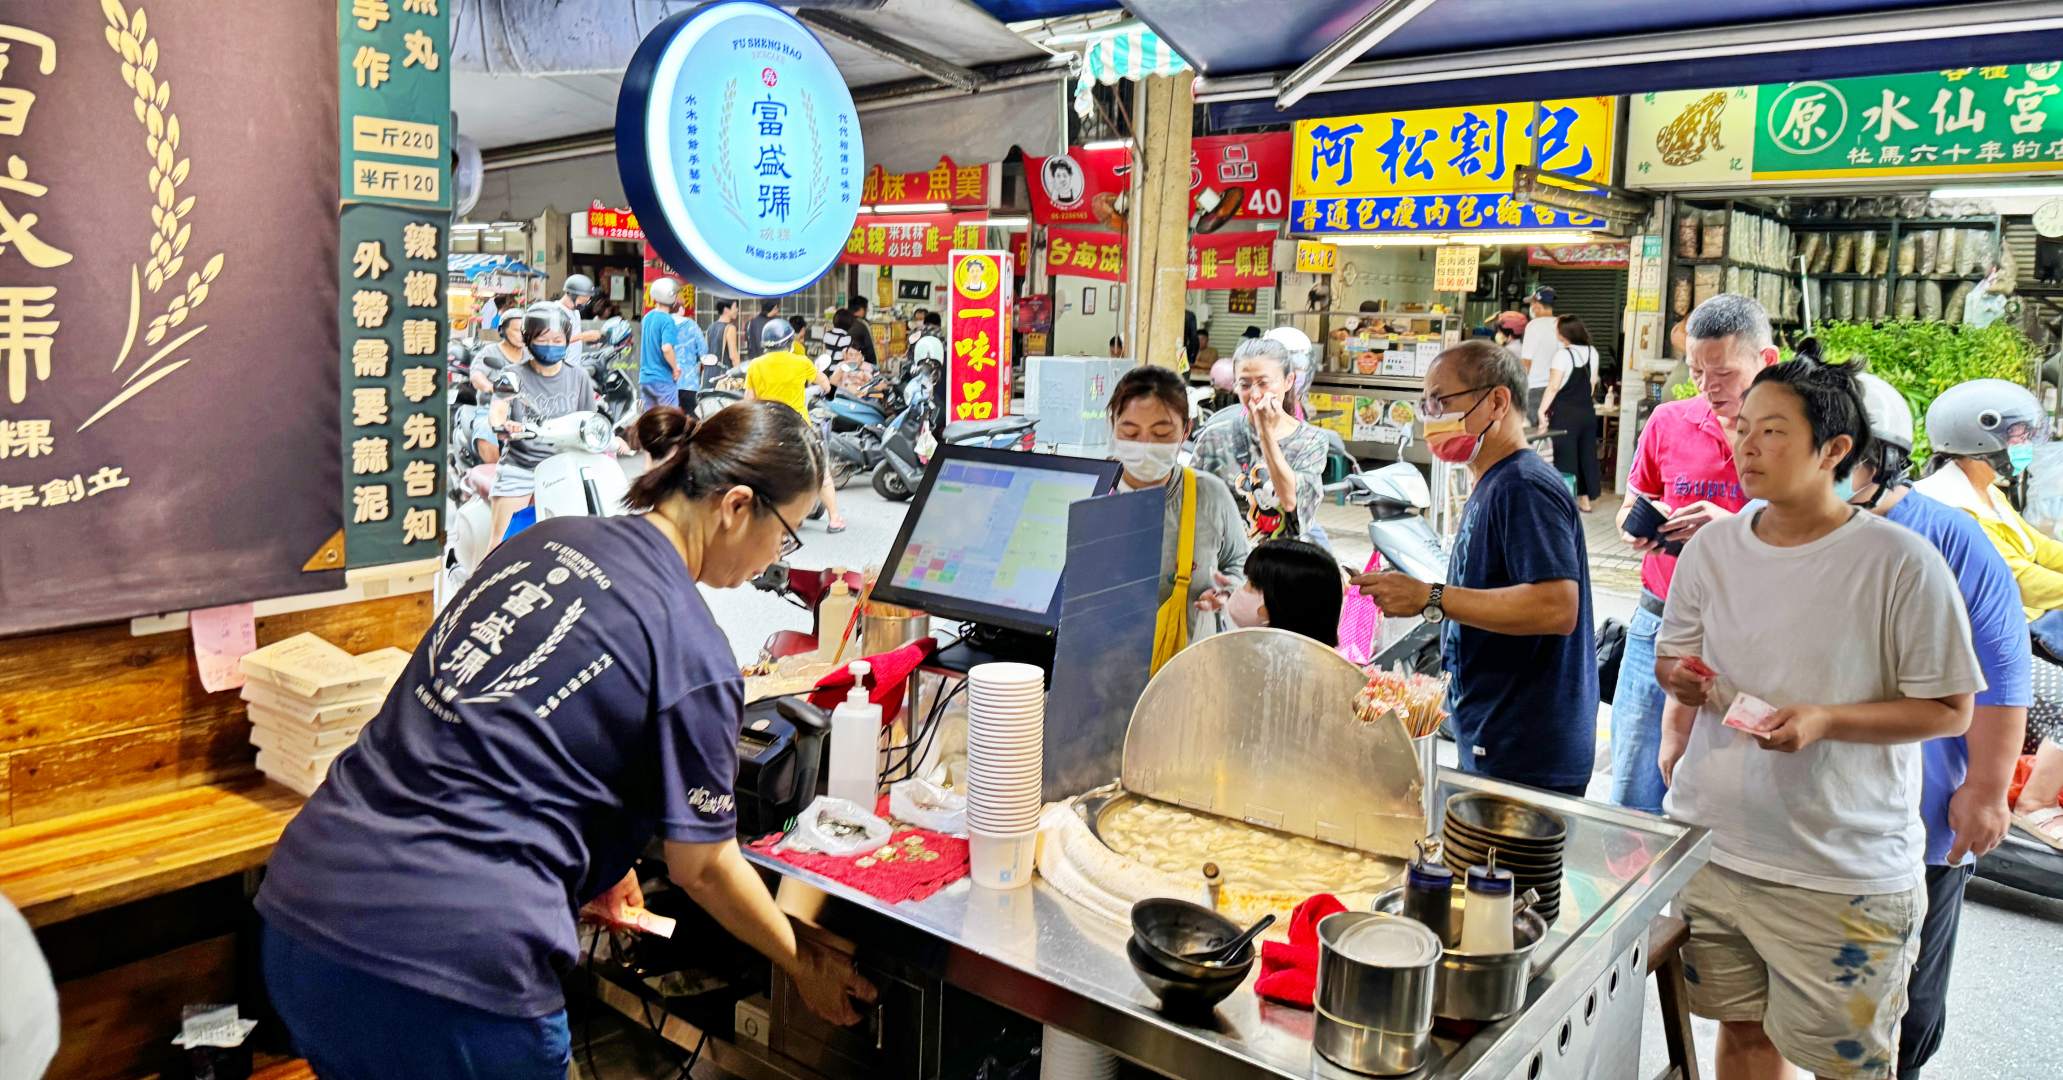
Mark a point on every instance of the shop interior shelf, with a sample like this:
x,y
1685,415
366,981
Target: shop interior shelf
x,y
1863,224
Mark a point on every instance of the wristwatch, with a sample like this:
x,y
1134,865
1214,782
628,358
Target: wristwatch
x,y
1433,612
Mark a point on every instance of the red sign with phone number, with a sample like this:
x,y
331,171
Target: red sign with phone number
x,y
1230,176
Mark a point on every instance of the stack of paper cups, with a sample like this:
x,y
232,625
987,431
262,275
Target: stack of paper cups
x,y
1006,732
1068,1057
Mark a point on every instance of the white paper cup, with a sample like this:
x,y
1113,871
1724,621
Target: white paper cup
x,y
1005,674
1002,861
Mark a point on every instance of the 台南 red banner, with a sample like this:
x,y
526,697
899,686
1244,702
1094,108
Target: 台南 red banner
x,y
609,223
946,182
978,301
1089,253
1230,177
909,239
1241,260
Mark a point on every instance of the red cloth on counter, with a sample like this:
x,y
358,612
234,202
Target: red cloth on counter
x,y
1289,970
894,880
891,670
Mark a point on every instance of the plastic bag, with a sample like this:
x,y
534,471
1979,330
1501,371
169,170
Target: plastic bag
x,y
1930,300
1844,254
928,806
1687,234
1822,255
1865,252
1880,298
1952,308
1945,256
1882,264
1809,245
1977,249
835,827
1908,253
1930,250
1713,244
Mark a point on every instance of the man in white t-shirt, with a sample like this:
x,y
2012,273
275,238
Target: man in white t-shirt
x,y
1806,923
1538,346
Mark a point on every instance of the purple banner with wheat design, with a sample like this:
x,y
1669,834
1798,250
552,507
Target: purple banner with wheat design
x,y
168,288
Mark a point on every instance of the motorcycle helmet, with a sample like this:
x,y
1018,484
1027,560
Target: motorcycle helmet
x,y
580,285
666,292
776,335
1988,419
1890,453
542,318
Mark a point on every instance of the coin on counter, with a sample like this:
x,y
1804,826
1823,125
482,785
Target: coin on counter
x,y
928,856
864,862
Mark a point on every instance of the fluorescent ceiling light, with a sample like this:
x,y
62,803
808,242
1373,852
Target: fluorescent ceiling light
x,y
1997,191
1004,222
1108,144
1486,239
906,208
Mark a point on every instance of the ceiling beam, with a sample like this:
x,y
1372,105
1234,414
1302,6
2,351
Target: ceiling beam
x,y
861,36
1387,18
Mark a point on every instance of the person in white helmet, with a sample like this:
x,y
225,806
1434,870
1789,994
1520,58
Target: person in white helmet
x,y
579,290
1964,778
1984,433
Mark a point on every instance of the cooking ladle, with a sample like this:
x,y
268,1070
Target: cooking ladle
x,y
1217,954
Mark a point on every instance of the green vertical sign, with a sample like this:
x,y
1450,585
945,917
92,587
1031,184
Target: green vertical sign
x,y
394,129
1959,121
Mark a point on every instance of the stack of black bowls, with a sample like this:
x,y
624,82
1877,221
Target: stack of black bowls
x,y
1167,937
1527,839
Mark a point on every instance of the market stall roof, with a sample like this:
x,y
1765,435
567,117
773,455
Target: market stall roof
x,y
474,265
534,71
1331,57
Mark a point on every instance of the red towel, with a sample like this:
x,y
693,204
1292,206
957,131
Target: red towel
x,y
891,671
892,880
1289,970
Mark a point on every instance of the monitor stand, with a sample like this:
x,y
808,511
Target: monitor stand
x,y
985,644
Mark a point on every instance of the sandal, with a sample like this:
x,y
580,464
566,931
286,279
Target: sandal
x,y
2045,825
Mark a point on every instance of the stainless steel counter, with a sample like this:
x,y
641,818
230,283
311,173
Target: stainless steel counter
x,y
1040,954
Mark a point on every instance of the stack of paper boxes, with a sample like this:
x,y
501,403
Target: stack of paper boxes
x,y
308,699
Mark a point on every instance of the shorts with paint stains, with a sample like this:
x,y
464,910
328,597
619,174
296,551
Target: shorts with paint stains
x,y
1824,972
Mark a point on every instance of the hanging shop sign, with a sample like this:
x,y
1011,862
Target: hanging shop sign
x,y
738,144
1445,170
1020,250
1086,253
1317,257
1984,121
909,239
133,479
1241,260
978,308
610,223
1230,177
1454,267
1243,302
391,259
1600,256
946,182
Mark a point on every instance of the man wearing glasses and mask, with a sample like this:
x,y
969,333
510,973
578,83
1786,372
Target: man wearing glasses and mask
x,y
1516,638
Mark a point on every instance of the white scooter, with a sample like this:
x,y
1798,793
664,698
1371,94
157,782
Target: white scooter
x,y
581,478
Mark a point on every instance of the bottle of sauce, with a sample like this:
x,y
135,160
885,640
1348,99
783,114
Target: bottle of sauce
x,y
1486,911
1429,893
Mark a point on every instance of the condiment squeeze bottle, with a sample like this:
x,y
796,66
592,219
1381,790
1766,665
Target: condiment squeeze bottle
x,y
1486,913
1429,893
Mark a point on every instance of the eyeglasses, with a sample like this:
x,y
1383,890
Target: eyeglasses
x,y
1434,406
789,544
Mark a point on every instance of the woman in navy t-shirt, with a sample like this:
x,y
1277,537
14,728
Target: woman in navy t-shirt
x,y
575,698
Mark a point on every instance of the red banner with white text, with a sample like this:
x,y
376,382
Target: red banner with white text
x,y
1230,177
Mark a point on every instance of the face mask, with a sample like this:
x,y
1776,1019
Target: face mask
x,y
2020,456
1450,440
548,354
1244,608
1151,462
1844,489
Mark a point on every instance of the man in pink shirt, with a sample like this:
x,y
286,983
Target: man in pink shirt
x,y
1684,464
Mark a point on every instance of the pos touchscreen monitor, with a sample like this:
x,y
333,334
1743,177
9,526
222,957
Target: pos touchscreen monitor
x,y
986,538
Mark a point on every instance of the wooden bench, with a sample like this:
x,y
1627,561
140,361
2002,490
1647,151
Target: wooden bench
x,y
69,866
1667,936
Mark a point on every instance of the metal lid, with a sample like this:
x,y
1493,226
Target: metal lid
x,y
1389,941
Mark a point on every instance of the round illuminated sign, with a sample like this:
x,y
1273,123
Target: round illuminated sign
x,y
739,147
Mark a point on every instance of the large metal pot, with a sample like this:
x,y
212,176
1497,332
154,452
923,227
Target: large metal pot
x,y
886,628
1374,998
1479,986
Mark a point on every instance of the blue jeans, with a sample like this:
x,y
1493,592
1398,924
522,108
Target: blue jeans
x,y
659,394
2048,629
354,1026
1637,720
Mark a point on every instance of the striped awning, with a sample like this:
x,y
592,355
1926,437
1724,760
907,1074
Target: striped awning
x,y
1131,51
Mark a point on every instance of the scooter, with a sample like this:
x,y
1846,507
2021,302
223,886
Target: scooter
x,y
852,426
582,477
907,442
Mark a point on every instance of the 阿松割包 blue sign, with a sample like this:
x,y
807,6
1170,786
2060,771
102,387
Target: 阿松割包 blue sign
x,y
739,147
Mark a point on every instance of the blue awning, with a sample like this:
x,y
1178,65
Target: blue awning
x,y
473,265
1429,53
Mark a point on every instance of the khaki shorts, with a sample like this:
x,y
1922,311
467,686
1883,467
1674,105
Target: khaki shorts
x,y
1824,973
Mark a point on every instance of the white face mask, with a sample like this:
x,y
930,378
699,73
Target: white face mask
x,y
1150,462
1244,608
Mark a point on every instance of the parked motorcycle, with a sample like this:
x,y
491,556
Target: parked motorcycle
x,y
853,427
907,442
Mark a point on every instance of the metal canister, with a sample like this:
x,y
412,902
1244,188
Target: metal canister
x,y
886,627
1375,992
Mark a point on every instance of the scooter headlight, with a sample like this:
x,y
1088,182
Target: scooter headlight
x,y
596,433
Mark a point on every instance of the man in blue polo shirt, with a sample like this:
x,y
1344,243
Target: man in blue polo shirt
x,y
1963,797
660,360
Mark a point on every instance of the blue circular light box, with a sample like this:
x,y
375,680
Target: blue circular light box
x,y
739,146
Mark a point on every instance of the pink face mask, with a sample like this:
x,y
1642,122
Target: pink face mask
x,y
1244,607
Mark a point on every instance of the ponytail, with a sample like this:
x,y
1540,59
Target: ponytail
x,y
762,445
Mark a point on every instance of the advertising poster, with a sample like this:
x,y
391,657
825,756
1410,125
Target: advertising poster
x,y
1241,260
1231,177
1085,253
168,365
909,239
978,336
947,182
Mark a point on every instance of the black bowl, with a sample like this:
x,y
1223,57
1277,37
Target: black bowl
x,y
1495,815
1518,862
1178,993
1503,841
1167,929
